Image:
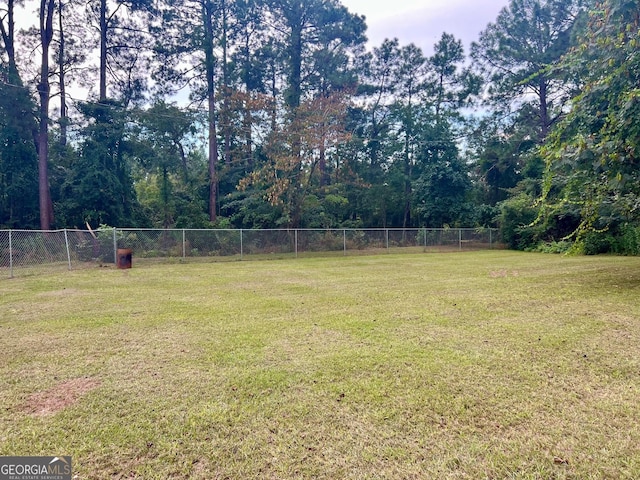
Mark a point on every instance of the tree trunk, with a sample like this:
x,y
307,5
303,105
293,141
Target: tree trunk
x,y
294,88
408,159
63,90
226,89
183,161
294,93
213,161
247,125
406,222
166,215
211,99
8,37
46,35
274,96
293,102
322,164
247,120
103,50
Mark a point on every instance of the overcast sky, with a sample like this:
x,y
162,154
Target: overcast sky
x,y
423,21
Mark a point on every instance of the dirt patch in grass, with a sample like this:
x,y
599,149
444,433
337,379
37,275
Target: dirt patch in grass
x,y
59,397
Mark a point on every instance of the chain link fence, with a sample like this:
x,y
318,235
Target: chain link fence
x,y
25,251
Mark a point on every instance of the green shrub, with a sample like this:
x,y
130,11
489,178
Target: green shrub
x,y
516,216
563,246
628,242
595,243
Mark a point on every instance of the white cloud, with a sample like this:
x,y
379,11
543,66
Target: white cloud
x,y
423,22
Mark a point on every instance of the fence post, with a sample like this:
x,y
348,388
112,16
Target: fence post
x,y
295,241
459,239
241,246
184,245
115,246
66,242
344,241
386,238
10,256
490,238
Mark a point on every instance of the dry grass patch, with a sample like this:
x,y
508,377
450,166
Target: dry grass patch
x,y
60,396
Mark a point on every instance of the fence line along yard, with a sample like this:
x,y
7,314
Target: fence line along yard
x,y
35,250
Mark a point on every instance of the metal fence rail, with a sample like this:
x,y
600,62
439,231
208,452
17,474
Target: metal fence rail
x,y
36,250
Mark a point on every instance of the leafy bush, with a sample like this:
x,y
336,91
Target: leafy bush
x,y
563,246
595,243
628,242
516,216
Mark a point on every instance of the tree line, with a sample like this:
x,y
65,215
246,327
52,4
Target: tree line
x,y
273,113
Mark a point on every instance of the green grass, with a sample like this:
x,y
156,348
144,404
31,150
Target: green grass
x,y
451,366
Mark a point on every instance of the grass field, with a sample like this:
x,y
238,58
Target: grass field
x,y
447,366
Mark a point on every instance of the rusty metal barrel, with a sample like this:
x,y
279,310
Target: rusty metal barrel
x,y
124,257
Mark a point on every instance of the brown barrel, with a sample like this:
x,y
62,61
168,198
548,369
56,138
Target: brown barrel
x,y
124,257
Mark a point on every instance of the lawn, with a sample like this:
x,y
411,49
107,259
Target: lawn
x,y
472,365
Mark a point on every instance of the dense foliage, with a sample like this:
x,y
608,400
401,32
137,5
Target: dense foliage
x,y
593,157
272,113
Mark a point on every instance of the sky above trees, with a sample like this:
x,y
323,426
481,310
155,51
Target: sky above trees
x,y
423,21
411,21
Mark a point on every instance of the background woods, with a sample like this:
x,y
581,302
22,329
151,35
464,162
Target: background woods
x,y
274,113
